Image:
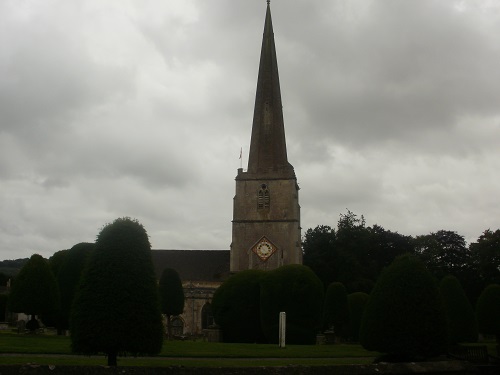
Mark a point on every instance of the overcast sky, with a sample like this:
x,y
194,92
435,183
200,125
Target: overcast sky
x,y
140,108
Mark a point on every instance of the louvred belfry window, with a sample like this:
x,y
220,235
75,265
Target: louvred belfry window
x,y
263,198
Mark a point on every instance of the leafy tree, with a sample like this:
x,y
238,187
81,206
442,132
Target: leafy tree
x,y
443,252
353,254
171,296
488,311
486,255
385,246
352,244
236,307
35,291
462,324
336,309
357,303
296,290
404,317
319,253
116,309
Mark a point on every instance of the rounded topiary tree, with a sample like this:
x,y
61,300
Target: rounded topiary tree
x,y
68,278
404,317
336,309
462,325
357,303
296,290
236,307
171,296
488,311
34,290
116,309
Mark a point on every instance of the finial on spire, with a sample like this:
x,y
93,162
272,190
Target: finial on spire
x,y
268,2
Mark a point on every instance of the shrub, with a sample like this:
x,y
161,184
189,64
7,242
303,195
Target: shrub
x,y
336,310
236,307
296,290
488,311
116,309
171,296
34,290
404,317
461,321
357,303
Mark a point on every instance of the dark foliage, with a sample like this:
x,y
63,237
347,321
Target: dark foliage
x,y
443,252
68,278
171,296
3,307
319,253
353,254
236,307
35,290
404,317
116,309
296,290
56,261
462,324
357,303
488,311
336,310
486,256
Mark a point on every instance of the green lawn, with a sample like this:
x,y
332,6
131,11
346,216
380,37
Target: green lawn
x,y
51,349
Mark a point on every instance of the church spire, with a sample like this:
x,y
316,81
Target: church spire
x,y
268,145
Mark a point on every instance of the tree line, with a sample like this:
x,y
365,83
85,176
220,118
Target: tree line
x,y
355,254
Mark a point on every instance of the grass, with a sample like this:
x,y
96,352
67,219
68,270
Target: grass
x,y
51,349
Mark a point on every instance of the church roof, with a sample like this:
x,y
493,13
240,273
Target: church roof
x,y
268,146
194,265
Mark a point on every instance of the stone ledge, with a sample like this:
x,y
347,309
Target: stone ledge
x,y
428,368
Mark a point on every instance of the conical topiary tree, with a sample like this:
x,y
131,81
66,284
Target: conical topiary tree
x,y
404,317
296,290
488,311
34,290
171,296
116,309
236,307
461,321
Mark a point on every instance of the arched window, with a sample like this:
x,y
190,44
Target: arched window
x,y
263,198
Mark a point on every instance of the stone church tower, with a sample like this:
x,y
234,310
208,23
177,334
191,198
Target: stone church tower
x,y
266,213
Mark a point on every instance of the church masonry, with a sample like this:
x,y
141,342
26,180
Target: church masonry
x,y
266,212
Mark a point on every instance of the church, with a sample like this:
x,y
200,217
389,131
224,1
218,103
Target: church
x,y
266,232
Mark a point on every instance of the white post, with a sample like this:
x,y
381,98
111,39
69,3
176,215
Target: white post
x,y
282,329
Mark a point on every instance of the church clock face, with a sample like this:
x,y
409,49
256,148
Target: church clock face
x,y
264,248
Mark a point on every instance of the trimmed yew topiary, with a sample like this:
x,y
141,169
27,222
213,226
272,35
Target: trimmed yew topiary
x,y
488,311
236,307
404,317
296,290
116,309
462,325
35,290
357,303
